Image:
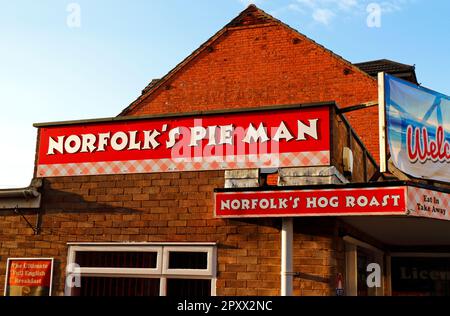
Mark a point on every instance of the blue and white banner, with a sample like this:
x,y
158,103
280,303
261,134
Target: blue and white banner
x,y
418,129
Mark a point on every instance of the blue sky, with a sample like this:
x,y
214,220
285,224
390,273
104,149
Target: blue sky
x,y
51,72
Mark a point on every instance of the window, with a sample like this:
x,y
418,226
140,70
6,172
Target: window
x,y
188,288
420,274
358,255
188,260
364,257
142,269
115,286
111,259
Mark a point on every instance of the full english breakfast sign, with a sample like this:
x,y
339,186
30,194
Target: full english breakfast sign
x,y
29,277
257,139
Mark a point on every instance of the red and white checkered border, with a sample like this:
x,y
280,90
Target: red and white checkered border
x,y
302,159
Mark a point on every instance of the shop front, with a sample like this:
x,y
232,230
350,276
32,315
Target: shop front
x,y
203,232
401,220
225,182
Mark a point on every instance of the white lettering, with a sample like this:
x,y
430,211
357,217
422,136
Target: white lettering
x,y
374,202
134,145
226,135
283,133
350,201
173,136
235,204
245,204
88,143
103,141
264,204
55,145
69,148
197,134
119,141
283,203
212,135
334,201
225,205
311,202
150,141
396,199
310,130
362,201
323,202
253,135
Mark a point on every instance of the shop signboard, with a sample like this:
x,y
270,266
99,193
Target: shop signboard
x,y
29,277
282,137
415,124
428,203
401,200
320,202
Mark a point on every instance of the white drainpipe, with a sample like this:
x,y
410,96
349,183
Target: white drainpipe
x,y
286,257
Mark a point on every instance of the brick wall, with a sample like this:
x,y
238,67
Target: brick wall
x,y
170,207
266,65
152,207
318,256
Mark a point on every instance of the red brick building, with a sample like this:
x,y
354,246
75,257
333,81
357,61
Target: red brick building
x,y
156,233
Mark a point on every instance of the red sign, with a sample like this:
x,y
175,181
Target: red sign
x,y
330,202
29,277
273,138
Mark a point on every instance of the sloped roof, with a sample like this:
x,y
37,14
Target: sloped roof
x,y
251,16
150,85
402,71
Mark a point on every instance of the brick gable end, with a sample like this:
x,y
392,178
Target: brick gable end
x,y
259,64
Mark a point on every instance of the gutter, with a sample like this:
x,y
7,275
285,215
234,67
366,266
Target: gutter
x,y
25,193
22,198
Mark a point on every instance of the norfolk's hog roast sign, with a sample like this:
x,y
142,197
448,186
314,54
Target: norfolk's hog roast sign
x,y
401,200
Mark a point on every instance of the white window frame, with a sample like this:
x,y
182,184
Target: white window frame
x,y
191,272
351,257
136,272
161,272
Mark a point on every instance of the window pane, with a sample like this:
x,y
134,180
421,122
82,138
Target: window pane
x,y
113,259
364,258
188,260
362,263
188,288
107,286
420,276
